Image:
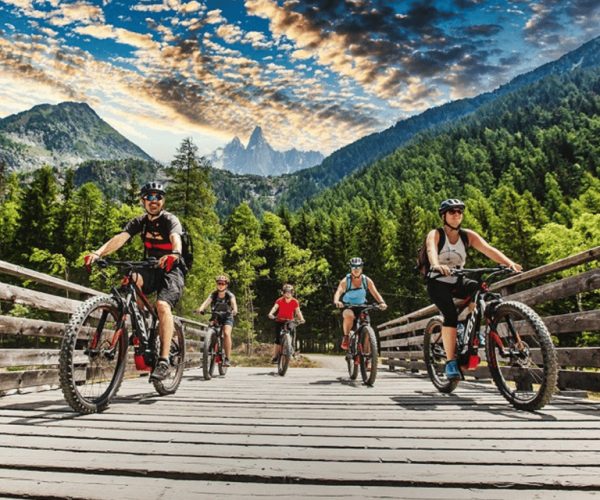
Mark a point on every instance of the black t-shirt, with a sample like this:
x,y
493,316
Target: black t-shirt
x,y
156,233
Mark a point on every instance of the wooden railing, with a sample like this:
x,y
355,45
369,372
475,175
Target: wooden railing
x,y
402,338
35,367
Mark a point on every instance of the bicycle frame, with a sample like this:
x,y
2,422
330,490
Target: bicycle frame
x,y
142,338
485,302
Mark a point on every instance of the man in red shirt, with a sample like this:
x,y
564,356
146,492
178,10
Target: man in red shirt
x,y
287,308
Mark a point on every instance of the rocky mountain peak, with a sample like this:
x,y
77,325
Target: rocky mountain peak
x,y
259,158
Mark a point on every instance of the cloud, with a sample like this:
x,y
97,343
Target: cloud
x,y
190,7
78,12
380,49
104,31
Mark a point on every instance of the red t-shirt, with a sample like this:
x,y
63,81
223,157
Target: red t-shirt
x,y
286,309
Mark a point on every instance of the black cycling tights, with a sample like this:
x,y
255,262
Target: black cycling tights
x,y
443,294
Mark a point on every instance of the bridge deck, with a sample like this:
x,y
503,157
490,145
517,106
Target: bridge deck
x,y
312,434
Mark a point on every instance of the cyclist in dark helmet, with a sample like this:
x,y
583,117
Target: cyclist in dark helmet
x,y
161,233
441,286
287,308
353,290
222,300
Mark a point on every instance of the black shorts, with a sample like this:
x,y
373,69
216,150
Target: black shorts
x,y
443,294
168,286
278,327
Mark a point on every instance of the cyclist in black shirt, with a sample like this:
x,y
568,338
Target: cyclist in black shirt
x,y
222,300
161,233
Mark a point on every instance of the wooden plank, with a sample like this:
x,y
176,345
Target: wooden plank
x,y
44,279
38,300
566,287
30,327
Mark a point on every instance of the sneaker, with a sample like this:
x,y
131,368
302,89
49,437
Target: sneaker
x,y
452,372
226,362
274,361
161,371
345,342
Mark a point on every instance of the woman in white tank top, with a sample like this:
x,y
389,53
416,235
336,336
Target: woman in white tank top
x,y
441,286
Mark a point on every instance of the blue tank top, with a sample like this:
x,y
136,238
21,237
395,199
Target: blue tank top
x,y
356,296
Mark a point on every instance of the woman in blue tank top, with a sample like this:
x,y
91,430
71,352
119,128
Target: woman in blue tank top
x,y
352,290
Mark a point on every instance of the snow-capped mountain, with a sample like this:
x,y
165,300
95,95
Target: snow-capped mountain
x,y
259,158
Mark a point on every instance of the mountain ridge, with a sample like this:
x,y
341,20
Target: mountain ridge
x,y
61,135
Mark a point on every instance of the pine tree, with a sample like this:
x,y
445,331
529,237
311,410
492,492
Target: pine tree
x,y
38,214
242,244
189,189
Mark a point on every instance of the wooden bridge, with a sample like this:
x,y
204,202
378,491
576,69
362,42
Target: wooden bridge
x,y
311,434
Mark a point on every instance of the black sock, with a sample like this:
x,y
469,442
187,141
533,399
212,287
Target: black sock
x,y
163,360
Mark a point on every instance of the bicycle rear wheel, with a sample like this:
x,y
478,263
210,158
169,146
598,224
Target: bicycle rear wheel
x,y
283,360
351,357
521,356
368,355
209,354
93,355
435,356
176,361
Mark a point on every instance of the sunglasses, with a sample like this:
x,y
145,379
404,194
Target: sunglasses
x,y
219,283
454,211
356,267
152,197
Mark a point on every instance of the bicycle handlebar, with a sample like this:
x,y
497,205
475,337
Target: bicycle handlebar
x,y
491,271
363,307
104,263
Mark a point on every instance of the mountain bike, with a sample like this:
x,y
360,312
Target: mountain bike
x,y
287,343
519,350
93,353
213,352
362,344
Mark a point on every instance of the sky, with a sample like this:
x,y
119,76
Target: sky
x,y
314,74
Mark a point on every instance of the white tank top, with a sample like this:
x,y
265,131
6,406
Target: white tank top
x,y
453,256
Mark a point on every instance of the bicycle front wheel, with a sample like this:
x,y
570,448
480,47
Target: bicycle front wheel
x,y
283,360
221,365
368,355
93,355
176,362
209,354
435,356
521,356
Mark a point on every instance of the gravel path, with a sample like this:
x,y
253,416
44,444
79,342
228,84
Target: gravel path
x,y
326,361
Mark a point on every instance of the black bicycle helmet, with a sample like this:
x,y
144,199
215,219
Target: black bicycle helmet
x,y
356,261
450,203
152,187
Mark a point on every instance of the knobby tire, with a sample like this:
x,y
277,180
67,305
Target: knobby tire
x,y
368,355
525,372
283,360
90,379
209,354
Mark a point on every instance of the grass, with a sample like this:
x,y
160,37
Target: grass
x,y
262,355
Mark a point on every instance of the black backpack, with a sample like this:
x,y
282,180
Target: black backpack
x,y
423,265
